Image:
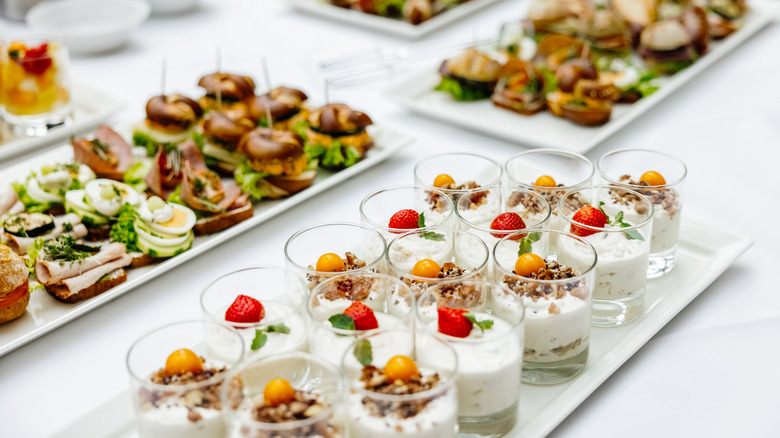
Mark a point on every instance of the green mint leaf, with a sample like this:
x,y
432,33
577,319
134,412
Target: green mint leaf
x,y
534,237
634,234
619,217
363,353
278,328
342,321
602,210
525,246
483,325
430,235
421,221
260,339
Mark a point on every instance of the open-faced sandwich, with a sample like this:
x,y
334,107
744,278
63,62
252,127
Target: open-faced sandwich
x,y
107,154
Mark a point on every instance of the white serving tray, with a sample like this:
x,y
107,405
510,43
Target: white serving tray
x,y
391,25
544,129
705,252
45,314
90,108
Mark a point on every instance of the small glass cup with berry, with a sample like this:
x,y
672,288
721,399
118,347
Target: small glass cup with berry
x,y
395,210
322,251
177,373
440,259
354,304
622,245
660,178
402,384
265,305
287,395
489,348
558,299
34,85
457,172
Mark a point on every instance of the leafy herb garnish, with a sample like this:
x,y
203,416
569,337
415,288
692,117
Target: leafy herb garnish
x,y
261,336
65,248
123,231
363,352
618,222
483,325
342,321
526,243
429,235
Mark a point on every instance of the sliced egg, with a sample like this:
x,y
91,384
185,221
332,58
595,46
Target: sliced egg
x,y
85,174
182,221
106,196
39,195
77,199
166,242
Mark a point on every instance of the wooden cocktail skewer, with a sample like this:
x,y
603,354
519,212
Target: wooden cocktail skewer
x,y
267,79
163,74
219,80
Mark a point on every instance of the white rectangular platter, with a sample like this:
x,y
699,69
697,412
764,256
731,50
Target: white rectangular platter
x,y
45,314
393,26
705,253
90,108
544,129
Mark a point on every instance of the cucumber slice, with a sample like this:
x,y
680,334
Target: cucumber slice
x,y
29,224
164,251
88,217
232,158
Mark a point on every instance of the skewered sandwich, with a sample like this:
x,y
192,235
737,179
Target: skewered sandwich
x,y
471,75
169,119
336,136
230,88
285,104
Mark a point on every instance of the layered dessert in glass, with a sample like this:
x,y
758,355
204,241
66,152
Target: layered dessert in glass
x,y
660,178
264,304
457,172
396,210
622,245
284,396
557,298
401,384
177,373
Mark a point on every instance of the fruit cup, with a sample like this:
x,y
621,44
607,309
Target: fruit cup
x,y
321,251
489,348
353,304
557,299
455,173
424,406
34,85
177,372
660,178
264,304
289,395
622,245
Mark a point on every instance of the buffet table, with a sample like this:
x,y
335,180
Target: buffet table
x,y
694,378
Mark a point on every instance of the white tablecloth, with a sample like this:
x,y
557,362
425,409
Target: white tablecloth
x,y
712,371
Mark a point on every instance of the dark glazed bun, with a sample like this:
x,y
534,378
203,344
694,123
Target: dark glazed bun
x,y
174,110
231,87
337,119
269,144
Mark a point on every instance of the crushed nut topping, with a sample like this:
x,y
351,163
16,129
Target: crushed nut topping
x,y
666,198
351,263
448,270
532,203
207,397
305,405
375,381
553,271
558,351
350,288
456,294
476,199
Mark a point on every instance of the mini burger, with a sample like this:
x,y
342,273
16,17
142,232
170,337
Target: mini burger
x,y
275,164
470,76
221,135
608,32
336,136
558,16
169,119
14,289
230,88
667,46
285,104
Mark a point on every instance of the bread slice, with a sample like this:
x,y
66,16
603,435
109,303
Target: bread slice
x,y
221,221
113,278
15,310
141,259
98,234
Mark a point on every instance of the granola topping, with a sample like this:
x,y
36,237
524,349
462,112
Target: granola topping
x,y
350,288
207,397
476,199
666,198
375,380
531,202
525,286
351,263
305,405
457,294
448,270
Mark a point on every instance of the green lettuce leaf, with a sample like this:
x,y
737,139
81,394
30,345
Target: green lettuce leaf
x,y
247,179
30,205
459,92
390,7
123,230
134,176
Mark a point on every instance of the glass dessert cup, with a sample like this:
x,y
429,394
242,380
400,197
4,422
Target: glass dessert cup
x,y
361,248
281,292
183,404
388,299
377,209
313,379
489,360
623,251
426,405
466,170
558,303
625,168
460,254
34,85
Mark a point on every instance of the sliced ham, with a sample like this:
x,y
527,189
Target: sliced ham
x,y
191,199
232,193
118,149
191,154
20,244
51,272
7,201
74,285
154,179
17,208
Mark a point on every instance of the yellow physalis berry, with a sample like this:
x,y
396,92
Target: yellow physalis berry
x,y
330,263
426,268
183,361
443,180
545,181
278,391
653,178
400,368
529,263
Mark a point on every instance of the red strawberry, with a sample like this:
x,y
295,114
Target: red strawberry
x,y
507,222
362,315
453,322
591,216
404,220
36,60
245,310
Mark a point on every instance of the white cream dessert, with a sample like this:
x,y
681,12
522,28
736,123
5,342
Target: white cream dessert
x,y
330,264
666,212
621,268
481,208
327,344
283,327
410,249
